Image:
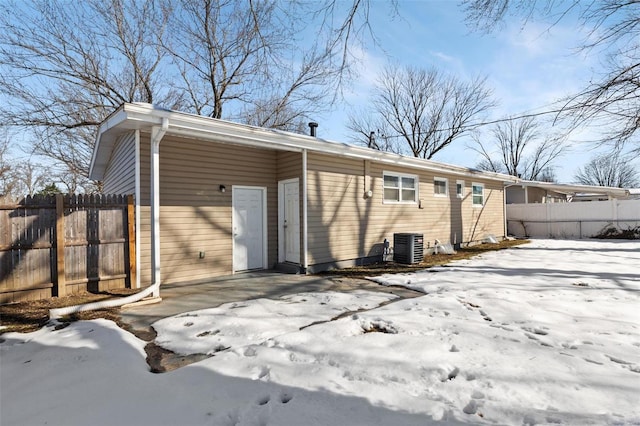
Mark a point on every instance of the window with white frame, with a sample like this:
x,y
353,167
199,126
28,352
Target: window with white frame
x,y
477,194
460,188
399,188
440,187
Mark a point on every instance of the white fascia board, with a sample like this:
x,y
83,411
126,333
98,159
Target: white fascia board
x,y
144,116
104,143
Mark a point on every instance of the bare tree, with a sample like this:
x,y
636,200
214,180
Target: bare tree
x,y
519,148
250,58
372,131
424,109
7,183
30,177
20,177
66,68
613,170
613,30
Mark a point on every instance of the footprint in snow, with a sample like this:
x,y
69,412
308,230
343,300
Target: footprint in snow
x,y
542,342
593,361
451,375
471,407
285,398
485,316
264,400
618,360
536,330
261,373
208,333
250,352
477,395
626,364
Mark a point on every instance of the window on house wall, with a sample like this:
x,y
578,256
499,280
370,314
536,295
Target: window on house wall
x,y
460,188
400,188
440,187
477,192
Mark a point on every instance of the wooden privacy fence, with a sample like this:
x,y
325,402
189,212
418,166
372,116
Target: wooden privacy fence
x,y
59,245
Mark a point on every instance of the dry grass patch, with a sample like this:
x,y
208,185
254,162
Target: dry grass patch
x,y
429,261
25,317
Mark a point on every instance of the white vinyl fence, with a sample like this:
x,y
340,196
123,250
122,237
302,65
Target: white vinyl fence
x,y
571,220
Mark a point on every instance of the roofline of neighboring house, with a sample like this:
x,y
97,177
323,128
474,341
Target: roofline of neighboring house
x,y
571,189
142,116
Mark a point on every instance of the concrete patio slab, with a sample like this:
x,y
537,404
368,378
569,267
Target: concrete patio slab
x,y
187,297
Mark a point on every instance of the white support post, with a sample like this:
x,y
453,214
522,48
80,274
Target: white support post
x,y
137,206
305,238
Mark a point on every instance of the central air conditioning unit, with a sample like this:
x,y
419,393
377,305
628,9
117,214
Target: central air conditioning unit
x,y
408,248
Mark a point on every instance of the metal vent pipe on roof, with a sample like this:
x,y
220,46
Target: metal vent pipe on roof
x,y
312,127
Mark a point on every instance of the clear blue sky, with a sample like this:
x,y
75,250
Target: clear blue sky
x,y
527,68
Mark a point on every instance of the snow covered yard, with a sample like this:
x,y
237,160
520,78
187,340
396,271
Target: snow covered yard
x,y
546,333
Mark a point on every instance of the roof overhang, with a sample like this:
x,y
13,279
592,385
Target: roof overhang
x,y
144,117
570,189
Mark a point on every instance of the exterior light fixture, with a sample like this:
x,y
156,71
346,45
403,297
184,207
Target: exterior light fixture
x,y
223,188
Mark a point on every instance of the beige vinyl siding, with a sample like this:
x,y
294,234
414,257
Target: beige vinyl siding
x,y
289,165
345,225
485,220
337,214
119,176
194,215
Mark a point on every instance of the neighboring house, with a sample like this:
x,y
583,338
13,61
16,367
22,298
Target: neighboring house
x,y
215,198
531,192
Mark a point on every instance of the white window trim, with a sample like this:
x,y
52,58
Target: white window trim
x,y
483,198
446,186
400,176
460,182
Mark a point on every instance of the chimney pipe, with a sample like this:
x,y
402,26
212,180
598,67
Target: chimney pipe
x,y
312,127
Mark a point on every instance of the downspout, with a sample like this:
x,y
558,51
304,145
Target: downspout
x,y
157,133
305,239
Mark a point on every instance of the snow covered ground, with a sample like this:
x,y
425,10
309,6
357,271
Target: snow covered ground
x,y
546,333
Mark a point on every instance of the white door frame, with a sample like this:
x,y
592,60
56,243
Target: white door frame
x,y
265,245
281,247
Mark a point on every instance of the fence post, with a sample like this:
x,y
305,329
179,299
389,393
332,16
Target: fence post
x,y
548,218
132,242
60,282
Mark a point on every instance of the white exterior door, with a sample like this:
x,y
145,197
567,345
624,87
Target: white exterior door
x,y
249,228
290,220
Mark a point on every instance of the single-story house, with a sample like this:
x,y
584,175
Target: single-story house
x,y
215,197
533,192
